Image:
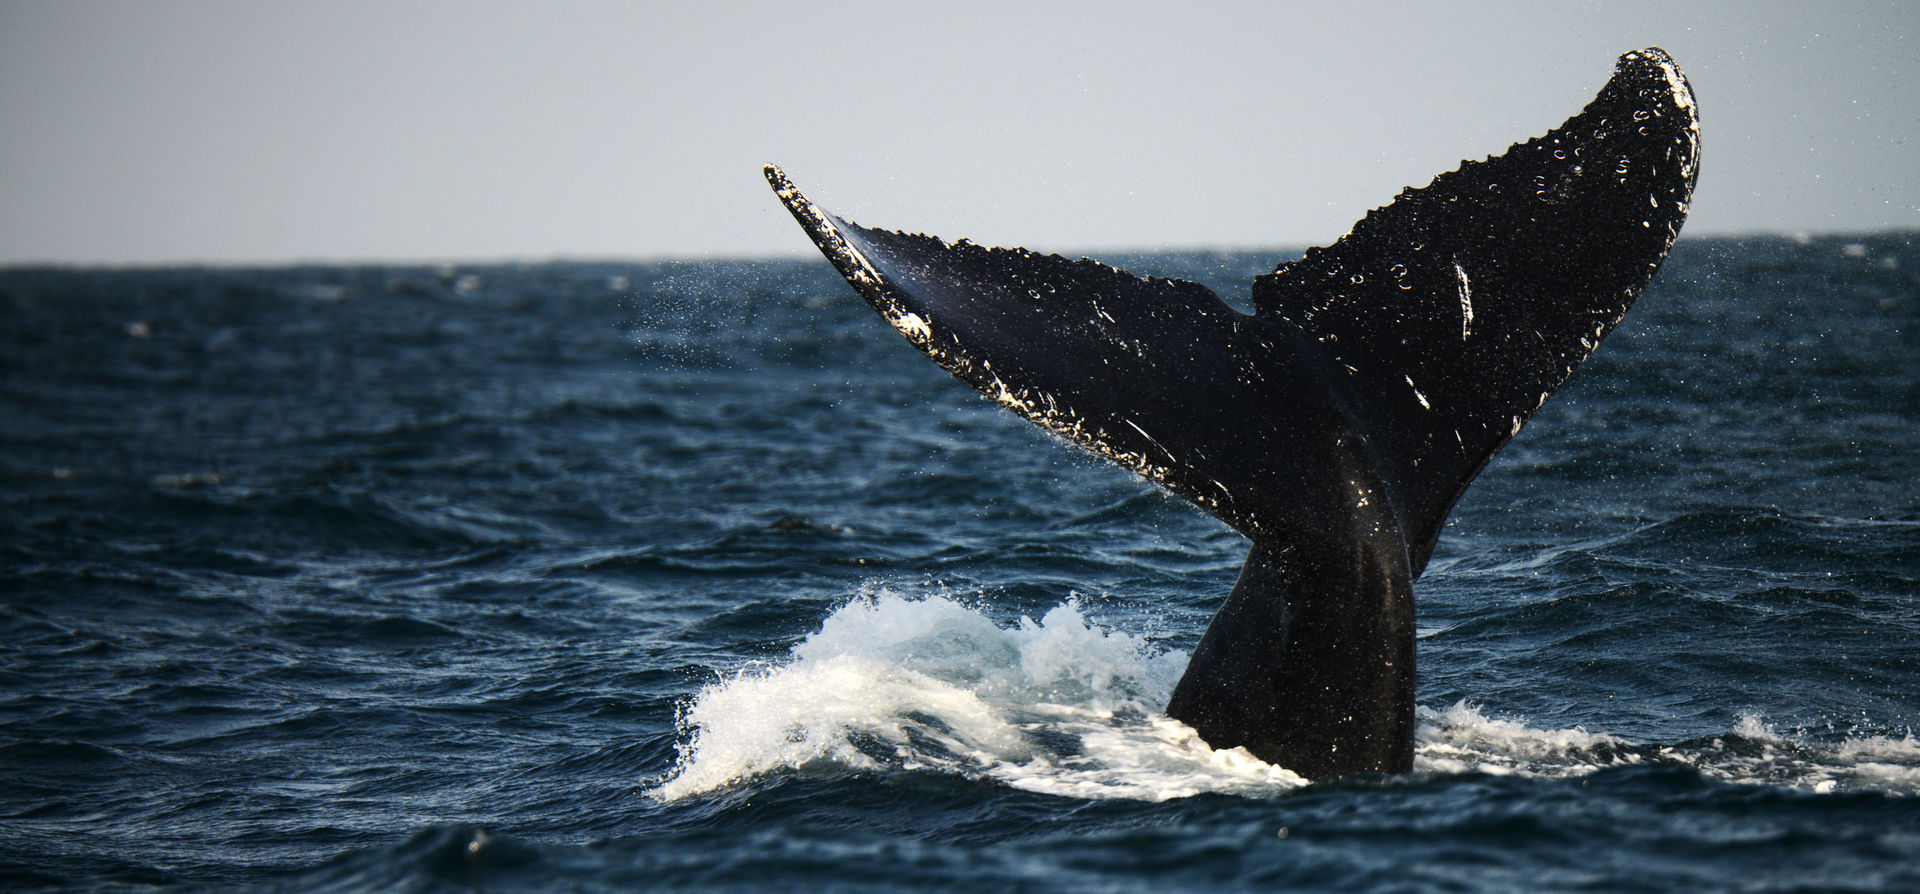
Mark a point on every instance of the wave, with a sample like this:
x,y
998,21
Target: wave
x,y
1060,706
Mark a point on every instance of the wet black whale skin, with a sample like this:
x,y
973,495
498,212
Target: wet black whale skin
x,y
1337,425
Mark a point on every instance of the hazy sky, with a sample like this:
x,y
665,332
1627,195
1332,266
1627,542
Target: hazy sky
x,y
259,131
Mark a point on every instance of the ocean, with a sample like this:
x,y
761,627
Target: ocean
x,y
695,576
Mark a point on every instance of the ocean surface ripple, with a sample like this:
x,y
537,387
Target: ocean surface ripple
x,y
692,576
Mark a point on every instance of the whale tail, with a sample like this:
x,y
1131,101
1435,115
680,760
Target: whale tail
x,y
1336,425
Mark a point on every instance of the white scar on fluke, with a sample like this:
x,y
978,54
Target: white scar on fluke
x,y
1466,301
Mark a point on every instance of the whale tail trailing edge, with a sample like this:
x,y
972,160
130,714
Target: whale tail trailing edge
x,y
1336,425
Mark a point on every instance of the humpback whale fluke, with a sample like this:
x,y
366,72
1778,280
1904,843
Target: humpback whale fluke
x,y
1336,425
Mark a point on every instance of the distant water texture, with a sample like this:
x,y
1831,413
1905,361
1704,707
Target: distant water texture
x,y
694,576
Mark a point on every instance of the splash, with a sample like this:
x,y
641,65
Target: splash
x,y
1061,706
1057,706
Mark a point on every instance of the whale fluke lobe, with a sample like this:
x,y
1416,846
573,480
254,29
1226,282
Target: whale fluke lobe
x,y
1472,299
1336,425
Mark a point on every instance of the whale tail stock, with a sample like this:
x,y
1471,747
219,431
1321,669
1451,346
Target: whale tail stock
x,y
1336,425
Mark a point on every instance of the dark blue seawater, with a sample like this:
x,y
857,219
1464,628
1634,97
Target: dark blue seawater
x,y
695,576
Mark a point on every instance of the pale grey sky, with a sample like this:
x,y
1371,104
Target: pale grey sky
x,y
275,131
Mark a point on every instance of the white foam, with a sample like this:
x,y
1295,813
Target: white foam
x,y
1058,706
1865,763
1462,739
1063,707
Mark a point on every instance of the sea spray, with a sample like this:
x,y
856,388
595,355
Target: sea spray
x,y
1056,705
1061,706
